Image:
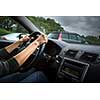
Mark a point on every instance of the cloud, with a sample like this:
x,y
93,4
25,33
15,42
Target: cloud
x,y
87,25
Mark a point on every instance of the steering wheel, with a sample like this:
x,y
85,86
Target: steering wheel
x,y
38,51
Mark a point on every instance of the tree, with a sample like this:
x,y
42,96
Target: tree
x,y
48,24
45,25
9,24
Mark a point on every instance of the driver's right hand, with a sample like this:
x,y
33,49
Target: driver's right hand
x,y
42,39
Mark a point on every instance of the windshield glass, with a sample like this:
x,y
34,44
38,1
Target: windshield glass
x,y
86,28
53,36
80,29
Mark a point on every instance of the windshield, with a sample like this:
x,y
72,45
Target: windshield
x,y
86,28
53,36
80,29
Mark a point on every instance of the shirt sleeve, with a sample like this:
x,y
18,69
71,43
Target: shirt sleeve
x,y
8,66
4,54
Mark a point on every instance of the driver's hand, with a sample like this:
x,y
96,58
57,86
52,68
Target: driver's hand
x,y
24,39
42,39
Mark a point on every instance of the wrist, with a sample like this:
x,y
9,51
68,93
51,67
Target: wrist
x,y
36,42
39,41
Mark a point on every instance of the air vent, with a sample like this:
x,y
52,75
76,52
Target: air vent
x,y
89,57
71,53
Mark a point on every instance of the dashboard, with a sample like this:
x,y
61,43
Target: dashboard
x,y
74,64
52,49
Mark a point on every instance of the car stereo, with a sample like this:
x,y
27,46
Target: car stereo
x,y
73,69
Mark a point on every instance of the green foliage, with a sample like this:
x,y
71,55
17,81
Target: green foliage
x,y
9,24
46,25
93,40
3,32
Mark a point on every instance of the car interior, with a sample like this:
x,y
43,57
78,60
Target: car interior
x,y
61,62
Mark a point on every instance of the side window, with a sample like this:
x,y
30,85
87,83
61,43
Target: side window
x,y
65,36
73,37
79,38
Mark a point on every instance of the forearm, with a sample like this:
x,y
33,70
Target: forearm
x,y
13,46
24,55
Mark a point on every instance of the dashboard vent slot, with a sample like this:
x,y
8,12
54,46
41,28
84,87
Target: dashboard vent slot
x,y
71,53
89,57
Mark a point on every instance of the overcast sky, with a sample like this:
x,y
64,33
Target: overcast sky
x,y
87,25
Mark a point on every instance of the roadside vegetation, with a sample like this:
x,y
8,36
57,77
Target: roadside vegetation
x,y
93,40
46,25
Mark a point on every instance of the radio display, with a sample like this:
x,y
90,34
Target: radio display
x,y
71,71
74,69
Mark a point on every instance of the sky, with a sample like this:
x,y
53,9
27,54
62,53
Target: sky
x,y
84,25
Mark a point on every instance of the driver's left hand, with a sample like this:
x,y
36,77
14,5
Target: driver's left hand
x,y
24,39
